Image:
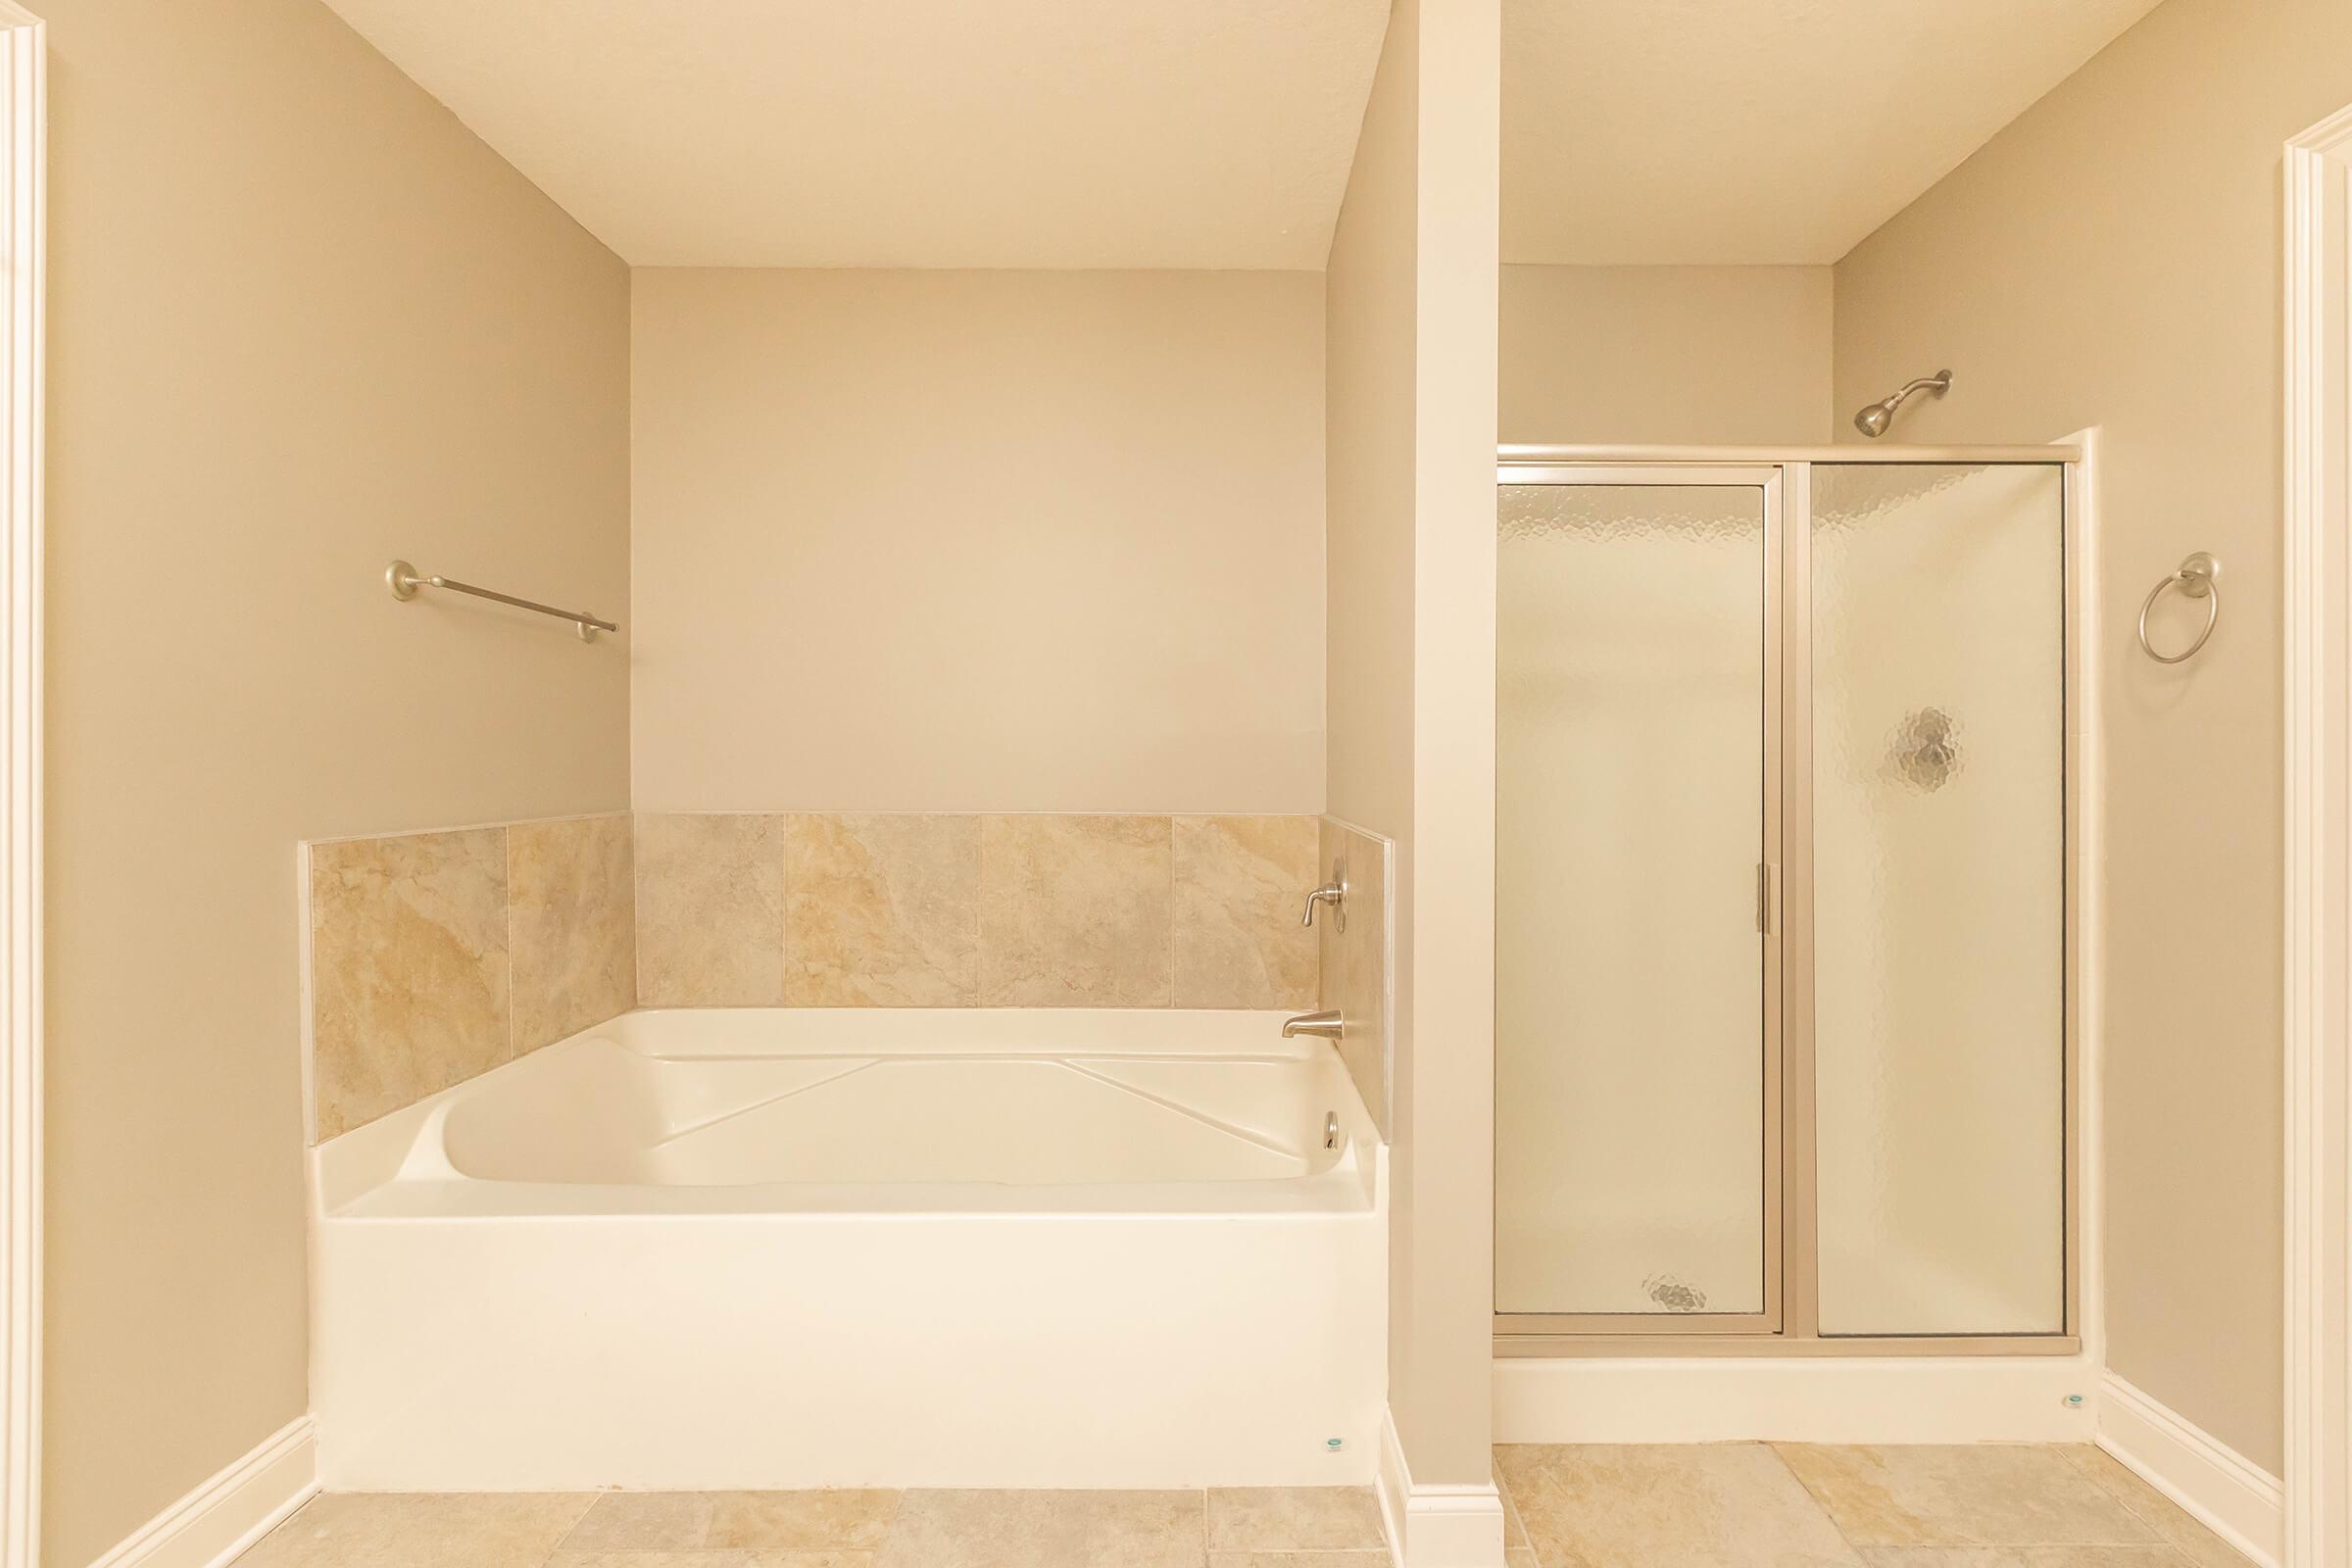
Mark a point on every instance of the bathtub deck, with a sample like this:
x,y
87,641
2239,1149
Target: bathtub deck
x,y
1716,1505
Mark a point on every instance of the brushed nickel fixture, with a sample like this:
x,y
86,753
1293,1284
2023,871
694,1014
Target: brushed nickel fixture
x,y
404,580
1322,1025
1333,893
1926,748
1874,421
2198,576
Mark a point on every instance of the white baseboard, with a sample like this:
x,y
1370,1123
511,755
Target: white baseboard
x,y
220,1518
2242,1502
1435,1526
1900,1399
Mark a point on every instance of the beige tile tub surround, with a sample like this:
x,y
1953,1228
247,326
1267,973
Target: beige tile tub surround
x,y
571,892
437,957
882,911
710,910
1240,884
1352,964
409,969
1075,911
919,910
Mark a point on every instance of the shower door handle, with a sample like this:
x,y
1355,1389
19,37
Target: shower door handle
x,y
1767,889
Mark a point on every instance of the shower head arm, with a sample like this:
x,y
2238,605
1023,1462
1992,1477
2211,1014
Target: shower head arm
x,y
1940,383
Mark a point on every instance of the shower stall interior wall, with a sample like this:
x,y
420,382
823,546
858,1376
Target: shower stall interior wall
x,y
1783,1034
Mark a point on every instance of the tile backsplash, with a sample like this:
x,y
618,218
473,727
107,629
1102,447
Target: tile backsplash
x,y
915,911
435,956
1353,964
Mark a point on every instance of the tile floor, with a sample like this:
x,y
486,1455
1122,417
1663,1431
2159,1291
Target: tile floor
x,y
1722,1505
1309,1527
1791,1505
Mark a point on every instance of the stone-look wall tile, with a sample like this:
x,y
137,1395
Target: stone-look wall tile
x,y
409,989
572,895
1240,884
710,910
882,911
1074,912
1354,963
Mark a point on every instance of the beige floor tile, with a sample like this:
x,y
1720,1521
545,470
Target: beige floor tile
x,y
758,1558
1048,1530
1300,1559
420,1529
1984,1494
1716,1505
840,1517
1514,1530
2142,1557
2170,1522
1519,1557
1293,1518
643,1521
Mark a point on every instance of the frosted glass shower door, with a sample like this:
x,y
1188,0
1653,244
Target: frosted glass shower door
x,y
1938,829
1636,1065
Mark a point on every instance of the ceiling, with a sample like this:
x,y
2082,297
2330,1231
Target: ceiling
x,y
1214,133
1730,132
1113,133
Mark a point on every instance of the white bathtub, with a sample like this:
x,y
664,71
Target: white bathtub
x,y
796,1248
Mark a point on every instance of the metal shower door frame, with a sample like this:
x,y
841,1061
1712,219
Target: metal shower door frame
x,y
1768,481
1792,1322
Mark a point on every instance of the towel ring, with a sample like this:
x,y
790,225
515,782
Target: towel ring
x,y
2199,578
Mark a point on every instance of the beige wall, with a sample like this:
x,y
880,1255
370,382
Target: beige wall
x,y
1369,316
301,321
1410,377
2112,259
1707,354
978,541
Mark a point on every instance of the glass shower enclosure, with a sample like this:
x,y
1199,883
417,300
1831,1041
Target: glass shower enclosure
x,y
1782,1014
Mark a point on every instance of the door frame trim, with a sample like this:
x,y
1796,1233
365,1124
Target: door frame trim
x,y
2318,968
23,205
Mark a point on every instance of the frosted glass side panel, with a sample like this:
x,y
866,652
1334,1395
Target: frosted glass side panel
x,y
1938,829
1628,984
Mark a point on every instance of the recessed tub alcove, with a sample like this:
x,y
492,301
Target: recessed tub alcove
x,y
773,1248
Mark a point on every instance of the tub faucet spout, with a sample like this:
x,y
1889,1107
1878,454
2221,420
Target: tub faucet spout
x,y
1322,1025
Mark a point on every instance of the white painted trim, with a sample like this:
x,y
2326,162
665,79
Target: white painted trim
x,y
1956,1399
2244,1503
1432,1526
2317,613
218,1521
24,176
2087,635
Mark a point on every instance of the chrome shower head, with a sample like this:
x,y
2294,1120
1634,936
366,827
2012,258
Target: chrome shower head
x,y
1874,421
